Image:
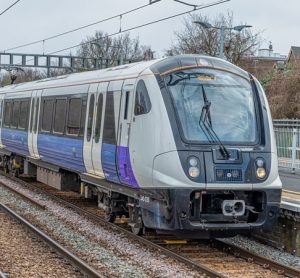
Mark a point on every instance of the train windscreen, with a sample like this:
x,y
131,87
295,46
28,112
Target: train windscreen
x,y
210,101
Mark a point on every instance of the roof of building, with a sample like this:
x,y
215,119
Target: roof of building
x,y
294,53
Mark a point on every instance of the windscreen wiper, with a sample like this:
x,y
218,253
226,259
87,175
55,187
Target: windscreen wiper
x,y
206,126
181,75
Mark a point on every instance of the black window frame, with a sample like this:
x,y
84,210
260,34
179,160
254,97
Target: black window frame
x,y
37,113
142,92
90,119
63,121
83,115
6,102
15,118
68,116
32,107
49,130
24,118
127,96
1,111
98,122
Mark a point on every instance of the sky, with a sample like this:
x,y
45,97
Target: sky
x,y
31,20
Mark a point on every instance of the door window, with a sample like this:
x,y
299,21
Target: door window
x,y
90,118
142,100
99,118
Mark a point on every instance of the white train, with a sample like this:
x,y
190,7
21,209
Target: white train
x,y
182,145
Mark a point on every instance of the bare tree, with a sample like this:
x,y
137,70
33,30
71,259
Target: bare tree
x,y
21,76
113,50
195,39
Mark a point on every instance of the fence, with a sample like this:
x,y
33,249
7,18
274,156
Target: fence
x,y
287,134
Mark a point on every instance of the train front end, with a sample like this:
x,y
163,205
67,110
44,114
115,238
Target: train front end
x,y
221,176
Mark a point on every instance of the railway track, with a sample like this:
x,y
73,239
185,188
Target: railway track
x,y
214,258
73,259
2,275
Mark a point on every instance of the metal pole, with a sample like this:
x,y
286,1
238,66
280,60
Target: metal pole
x,y
222,34
294,142
121,56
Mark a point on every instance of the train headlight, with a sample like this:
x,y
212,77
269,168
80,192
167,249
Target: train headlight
x,y
194,172
261,173
260,162
193,161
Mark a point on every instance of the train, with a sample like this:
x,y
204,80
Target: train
x,y
182,145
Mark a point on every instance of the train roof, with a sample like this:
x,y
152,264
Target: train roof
x,y
160,66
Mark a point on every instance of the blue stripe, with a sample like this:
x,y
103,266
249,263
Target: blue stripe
x,y
15,140
62,151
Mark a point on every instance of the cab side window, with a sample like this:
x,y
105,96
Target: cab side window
x,y
142,100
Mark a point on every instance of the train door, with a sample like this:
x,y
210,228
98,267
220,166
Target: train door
x,y
34,123
88,135
94,127
127,95
1,116
111,130
98,129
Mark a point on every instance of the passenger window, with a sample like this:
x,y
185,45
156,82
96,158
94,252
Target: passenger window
x,y
90,118
37,106
73,124
99,117
142,100
15,114
83,115
23,114
47,115
60,116
7,113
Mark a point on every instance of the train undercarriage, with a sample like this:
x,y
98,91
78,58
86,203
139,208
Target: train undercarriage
x,y
185,212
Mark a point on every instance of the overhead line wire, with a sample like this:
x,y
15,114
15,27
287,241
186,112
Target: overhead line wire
x,y
143,25
9,7
82,27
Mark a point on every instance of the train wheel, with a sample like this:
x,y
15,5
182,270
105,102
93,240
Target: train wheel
x,y
135,218
138,228
110,217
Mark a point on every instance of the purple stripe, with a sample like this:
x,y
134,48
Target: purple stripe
x,y
125,169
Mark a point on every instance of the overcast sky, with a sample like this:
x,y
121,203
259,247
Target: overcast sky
x,y
31,20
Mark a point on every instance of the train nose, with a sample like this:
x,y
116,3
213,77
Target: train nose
x,y
169,171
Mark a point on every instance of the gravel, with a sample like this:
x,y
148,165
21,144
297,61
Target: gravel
x,y
111,250
23,255
264,250
106,249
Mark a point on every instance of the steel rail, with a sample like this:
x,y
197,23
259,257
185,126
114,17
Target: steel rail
x,y
258,259
265,262
77,262
221,245
196,266
36,203
2,275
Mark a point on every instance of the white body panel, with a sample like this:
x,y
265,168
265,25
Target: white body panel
x,y
88,142
97,146
34,123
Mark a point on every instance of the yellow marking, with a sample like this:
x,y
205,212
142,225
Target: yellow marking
x,y
121,220
179,68
175,241
206,77
82,188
